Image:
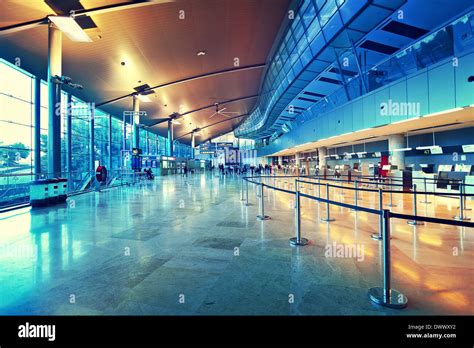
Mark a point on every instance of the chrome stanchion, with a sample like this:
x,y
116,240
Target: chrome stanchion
x,y
319,187
242,190
386,296
262,215
298,240
246,193
328,217
426,194
414,222
461,216
356,195
342,188
464,191
379,236
391,193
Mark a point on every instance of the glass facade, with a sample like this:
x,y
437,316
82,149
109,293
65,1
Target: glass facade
x,y
304,39
17,124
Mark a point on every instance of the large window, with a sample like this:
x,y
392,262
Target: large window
x,y
81,114
101,137
16,117
117,142
16,133
17,124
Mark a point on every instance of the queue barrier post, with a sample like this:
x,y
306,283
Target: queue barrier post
x,y
379,236
386,296
262,216
426,193
391,193
415,210
298,240
461,216
356,195
328,217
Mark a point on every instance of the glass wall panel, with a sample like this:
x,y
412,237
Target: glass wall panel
x,y
101,137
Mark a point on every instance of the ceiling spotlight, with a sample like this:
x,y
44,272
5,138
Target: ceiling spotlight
x,y
201,53
69,26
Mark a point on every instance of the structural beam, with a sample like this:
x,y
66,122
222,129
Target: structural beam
x,y
187,79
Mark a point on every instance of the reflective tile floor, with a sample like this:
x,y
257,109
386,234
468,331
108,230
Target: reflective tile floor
x,y
189,247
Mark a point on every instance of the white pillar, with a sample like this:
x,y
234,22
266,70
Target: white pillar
x,y
322,152
54,101
193,144
397,141
136,122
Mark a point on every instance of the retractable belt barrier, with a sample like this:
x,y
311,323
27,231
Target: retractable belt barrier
x,y
385,295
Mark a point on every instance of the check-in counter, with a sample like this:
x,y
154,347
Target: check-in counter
x,y
419,177
470,189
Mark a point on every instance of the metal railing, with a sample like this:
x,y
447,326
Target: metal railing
x,y
385,295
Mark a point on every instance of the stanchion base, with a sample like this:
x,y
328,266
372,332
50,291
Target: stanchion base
x,y
458,218
327,220
263,218
376,236
247,204
391,205
396,300
414,223
302,242
425,202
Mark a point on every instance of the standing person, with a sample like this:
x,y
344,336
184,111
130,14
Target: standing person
x,y
185,170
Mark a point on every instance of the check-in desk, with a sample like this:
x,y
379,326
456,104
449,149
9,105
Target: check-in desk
x,y
470,189
418,178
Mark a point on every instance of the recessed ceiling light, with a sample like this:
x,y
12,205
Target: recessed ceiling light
x,y
201,53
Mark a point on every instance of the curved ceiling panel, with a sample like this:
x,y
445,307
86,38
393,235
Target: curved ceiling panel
x,y
153,45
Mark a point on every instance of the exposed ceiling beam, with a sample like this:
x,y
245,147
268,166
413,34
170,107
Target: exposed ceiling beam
x,y
212,124
82,12
23,26
116,7
186,79
176,116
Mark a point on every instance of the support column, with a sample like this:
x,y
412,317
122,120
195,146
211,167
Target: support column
x,y
322,152
136,122
397,141
170,138
37,129
54,101
110,142
69,137
280,160
193,144
92,138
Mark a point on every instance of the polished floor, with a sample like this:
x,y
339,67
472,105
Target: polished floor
x,y
190,247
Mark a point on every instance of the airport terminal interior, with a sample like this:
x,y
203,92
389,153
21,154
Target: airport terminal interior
x,y
237,157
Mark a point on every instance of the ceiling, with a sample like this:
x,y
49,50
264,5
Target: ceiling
x,y
157,47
